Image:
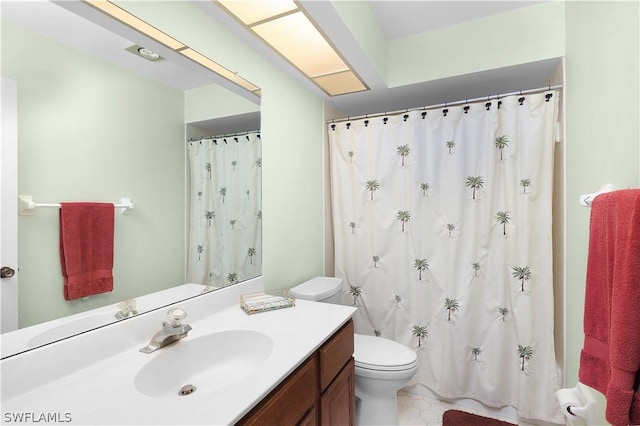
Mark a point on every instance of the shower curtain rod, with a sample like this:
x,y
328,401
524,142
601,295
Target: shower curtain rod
x,y
447,104
227,135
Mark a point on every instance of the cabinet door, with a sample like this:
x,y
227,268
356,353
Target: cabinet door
x,y
337,404
309,419
291,402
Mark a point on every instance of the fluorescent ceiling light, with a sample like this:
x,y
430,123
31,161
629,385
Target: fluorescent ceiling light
x,y
252,12
339,83
135,22
297,40
284,26
138,24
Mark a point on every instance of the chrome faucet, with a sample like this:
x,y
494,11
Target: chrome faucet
x,y
172,331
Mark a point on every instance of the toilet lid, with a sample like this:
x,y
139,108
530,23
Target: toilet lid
x,y
317,289
378,353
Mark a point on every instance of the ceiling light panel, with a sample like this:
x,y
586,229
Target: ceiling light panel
x,y
135,22
251,12
340,83
286,28
295,37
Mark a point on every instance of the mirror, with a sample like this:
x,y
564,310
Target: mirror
x,y
98,123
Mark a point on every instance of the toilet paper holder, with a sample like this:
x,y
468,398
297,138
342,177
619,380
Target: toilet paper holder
x,y
578,402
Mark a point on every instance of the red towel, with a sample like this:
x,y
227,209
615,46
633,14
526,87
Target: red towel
x,y
610,358
86,248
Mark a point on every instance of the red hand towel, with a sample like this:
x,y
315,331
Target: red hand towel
x,y
610,358
86,248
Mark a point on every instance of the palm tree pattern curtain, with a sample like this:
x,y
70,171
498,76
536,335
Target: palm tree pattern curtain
x,y
225,243
442,224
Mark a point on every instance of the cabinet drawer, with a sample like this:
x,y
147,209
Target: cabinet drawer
x,y
335,354
289,402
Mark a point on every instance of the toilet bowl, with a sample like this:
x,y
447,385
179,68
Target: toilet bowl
x,y
382,366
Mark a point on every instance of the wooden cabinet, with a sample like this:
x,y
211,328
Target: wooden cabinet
x,y
337,403
319,392
289,403
337,379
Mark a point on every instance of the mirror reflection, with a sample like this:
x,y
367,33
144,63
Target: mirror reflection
x,y
225,217
97,123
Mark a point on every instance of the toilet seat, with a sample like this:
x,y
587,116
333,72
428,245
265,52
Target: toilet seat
x,y
380,354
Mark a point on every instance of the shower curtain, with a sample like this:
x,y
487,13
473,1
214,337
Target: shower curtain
x,y
442,227
225,243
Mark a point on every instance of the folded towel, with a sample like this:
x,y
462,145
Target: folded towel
x,y
610,358
86,248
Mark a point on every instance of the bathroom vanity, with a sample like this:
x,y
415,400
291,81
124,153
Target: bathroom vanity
x,y
320,392
248,369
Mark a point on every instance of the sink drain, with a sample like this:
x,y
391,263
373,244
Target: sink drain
x,y
187,390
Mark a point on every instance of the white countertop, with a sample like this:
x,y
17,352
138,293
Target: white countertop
x,y
103,392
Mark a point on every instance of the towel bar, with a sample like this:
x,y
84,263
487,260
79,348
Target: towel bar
x,y
26,205
587,199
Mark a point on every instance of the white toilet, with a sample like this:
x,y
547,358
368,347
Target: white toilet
x,y
382,365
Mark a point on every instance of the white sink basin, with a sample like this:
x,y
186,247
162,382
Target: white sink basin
x,y
207,363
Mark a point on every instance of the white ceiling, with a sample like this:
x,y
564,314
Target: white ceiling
x,y
401,18
397,19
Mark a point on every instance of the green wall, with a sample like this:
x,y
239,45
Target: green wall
x,y
293,215
213,101
523,35
602,132
364,28
89,131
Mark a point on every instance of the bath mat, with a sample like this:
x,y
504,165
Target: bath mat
x,y
460,418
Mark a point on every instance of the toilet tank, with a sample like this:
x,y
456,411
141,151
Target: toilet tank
x,y
319,289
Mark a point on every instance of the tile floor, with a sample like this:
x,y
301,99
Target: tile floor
x,y
416,409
